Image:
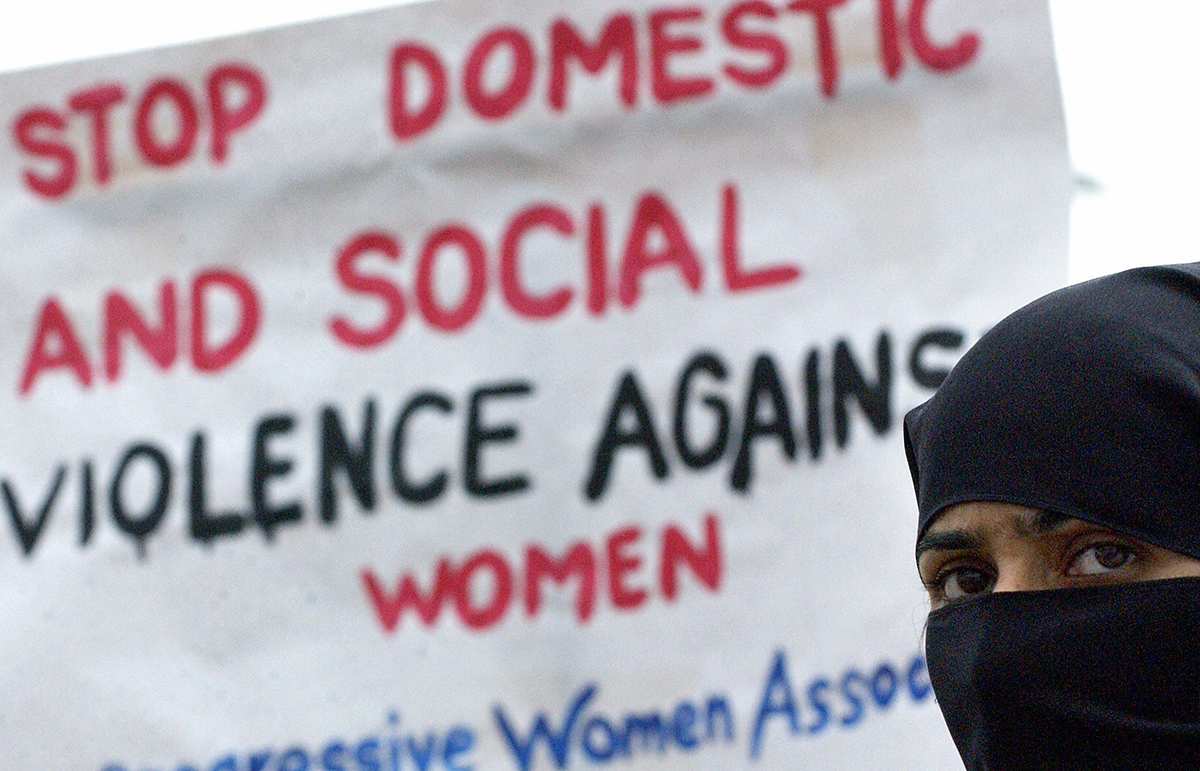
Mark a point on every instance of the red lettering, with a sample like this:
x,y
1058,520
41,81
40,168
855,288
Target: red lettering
x,y
827,56
597,260
578,561
165,125
940,58
346,267
889,39
187,117
206,356
482,588
55,346
390,607
736,278
450,297
617,37
666,87
761,42
97,102
655,215
494,105
476,617
515,294
620,565
227,118
704,562
121,318
409,122
50,125
468,307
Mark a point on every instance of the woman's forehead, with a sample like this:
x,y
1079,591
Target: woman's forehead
x,y
990,515
986,525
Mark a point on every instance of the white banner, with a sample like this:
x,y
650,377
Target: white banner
x,y
501,385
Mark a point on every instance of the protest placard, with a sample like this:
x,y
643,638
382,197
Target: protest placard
x,y
501,385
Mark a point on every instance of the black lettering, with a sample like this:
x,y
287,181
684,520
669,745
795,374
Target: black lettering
x,y
629,400
478,435
764,382
139,527
848,380
87,504
431,489
812,392
698,459
27,533
358,464
926,376
206,527
263,469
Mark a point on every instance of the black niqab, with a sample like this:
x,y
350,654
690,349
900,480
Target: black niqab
x,y
1085,403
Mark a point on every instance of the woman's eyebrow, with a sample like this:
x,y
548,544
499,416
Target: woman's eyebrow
x,y
1039,522
950,540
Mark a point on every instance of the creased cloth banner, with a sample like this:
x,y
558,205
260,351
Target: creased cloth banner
x,y
500,385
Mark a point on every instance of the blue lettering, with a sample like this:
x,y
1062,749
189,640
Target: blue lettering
x,y
227,763
718,706
294,759
394,749
422,753
777,699
367,753
556,742
394,752
684,722
856,700
918,680
333,758
649,729
459,740
819,704
599,737
884,685
611,745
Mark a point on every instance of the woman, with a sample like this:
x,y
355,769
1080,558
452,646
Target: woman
x,y
1057,472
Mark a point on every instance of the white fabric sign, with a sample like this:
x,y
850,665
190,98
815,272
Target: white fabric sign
x,y
501,385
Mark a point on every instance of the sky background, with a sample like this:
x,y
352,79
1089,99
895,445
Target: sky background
x,y
1129,81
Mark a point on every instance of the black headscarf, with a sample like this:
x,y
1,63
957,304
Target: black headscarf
x,y
1085,403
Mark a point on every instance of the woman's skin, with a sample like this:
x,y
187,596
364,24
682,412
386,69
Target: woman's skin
x,y
977,548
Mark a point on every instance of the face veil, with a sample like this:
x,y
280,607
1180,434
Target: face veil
x,y
1085,403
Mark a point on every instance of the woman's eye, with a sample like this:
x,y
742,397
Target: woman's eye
x,y
1100,559
964,582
